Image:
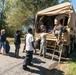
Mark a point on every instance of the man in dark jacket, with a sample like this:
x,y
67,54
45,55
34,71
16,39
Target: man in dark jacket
x,y
17,42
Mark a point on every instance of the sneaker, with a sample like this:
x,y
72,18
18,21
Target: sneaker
x,y
25,67
30,64
4,52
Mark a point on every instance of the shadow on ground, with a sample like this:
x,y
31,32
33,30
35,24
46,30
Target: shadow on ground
x,y
43,71
37,61
53,72
11,54
37,70
73,56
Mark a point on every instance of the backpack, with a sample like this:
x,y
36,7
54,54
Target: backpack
x,y
7,47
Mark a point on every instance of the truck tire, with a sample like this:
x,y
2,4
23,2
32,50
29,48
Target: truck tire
x,y
72,43
65,51
72,46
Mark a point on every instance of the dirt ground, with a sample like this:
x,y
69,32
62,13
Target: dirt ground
x,y
9,65
60,69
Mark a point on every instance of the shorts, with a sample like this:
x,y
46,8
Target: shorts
x,y
58,33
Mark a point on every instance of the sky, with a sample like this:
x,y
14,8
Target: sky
x,y
73,2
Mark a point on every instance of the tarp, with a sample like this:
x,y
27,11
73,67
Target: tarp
x,y
57,9
64,8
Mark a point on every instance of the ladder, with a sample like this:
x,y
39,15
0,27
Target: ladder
x,y
60,48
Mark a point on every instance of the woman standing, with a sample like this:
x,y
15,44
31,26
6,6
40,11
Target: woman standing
x,y
0,42
3,41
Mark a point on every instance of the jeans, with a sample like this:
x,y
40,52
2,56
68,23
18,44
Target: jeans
x,y
3,44
43,48
28,58
17,47
0,45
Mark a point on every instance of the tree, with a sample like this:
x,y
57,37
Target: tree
x,y
66,1
22,12
2,15
36,5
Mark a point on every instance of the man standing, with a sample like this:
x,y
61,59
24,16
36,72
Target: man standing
x,y
17,42
29,49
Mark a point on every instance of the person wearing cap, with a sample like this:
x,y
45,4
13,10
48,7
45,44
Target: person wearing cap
x,y
3,41
17,42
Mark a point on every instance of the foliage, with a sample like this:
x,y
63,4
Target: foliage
x,y
15,13
66,1
70,68
2,15
19,13
10,30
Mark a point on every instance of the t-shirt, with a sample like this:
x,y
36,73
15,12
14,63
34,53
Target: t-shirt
x,y
29,40
43,37
59,27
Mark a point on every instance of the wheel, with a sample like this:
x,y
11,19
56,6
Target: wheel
x,y
65,50
74,42
72,46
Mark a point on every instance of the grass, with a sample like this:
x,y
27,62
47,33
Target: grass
x,y
70,68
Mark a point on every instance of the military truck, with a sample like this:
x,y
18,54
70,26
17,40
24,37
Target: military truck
x,y
47,16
